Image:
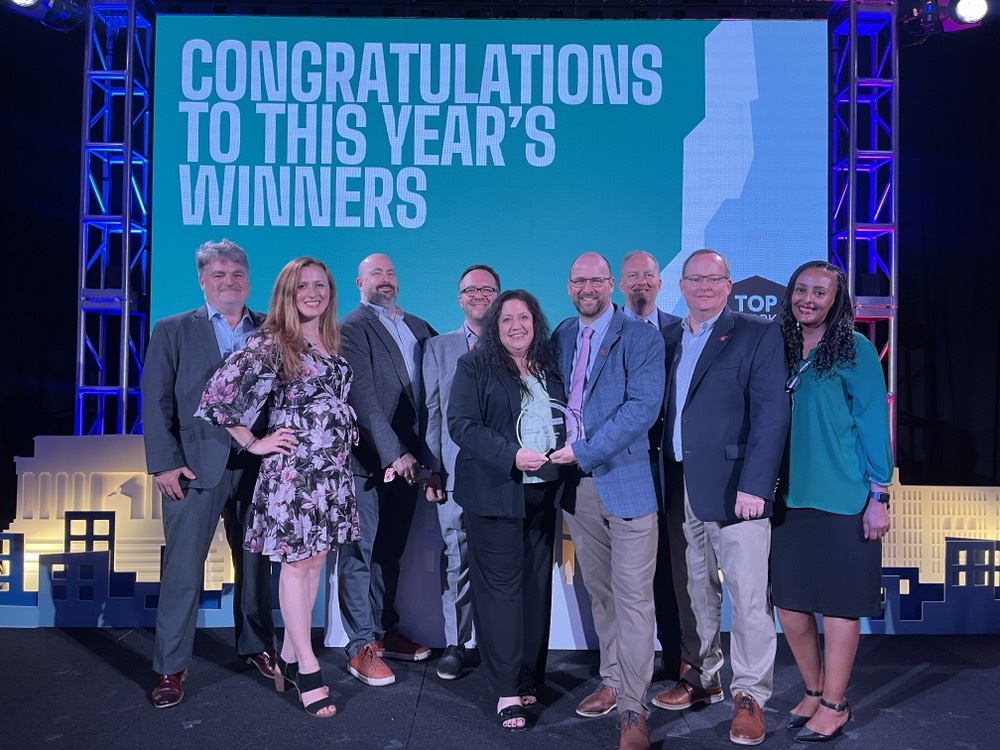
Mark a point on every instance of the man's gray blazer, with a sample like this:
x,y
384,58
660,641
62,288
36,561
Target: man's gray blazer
x,y
182,355
441,354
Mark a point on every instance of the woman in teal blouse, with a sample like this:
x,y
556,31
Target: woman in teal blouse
x,y
826,554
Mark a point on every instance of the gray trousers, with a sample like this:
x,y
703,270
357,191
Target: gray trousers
x,y
368,570
740,550
617,559
188,527
456,597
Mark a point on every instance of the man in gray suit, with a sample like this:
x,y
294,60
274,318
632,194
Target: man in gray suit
x,y
201,473
615,370
727,419
477,287
384,347
639,280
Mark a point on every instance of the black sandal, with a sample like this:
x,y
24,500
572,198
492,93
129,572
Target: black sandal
x,y
794,721
807,735
529,695
314,681
513,712
285,674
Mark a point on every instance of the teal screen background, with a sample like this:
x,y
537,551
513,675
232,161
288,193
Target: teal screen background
x,y
719,139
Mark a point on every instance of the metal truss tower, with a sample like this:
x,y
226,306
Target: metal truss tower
x,y
114,218
865,112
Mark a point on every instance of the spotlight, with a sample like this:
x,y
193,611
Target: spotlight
x,y
925,17
61,15
967,11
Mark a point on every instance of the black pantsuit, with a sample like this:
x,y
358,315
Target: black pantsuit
x,y
510,565
510,524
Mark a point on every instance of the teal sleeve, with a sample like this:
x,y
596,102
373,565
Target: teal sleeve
x,y
868,402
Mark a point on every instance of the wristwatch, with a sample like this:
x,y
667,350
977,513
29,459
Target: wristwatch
x,y
879,497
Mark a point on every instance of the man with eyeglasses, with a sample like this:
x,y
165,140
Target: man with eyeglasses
x,y
614,370
477,287
639,280
726,421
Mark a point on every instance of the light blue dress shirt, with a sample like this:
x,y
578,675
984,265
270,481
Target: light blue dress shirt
x,y
230,339
692,345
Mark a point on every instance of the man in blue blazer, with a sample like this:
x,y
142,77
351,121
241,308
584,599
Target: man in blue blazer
x,y
727,419
384,347
477,288
614,368
201,473
639,281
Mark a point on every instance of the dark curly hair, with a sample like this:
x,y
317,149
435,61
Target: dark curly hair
x,y
837,345
541,358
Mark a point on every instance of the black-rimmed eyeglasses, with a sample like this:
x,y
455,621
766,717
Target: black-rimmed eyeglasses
x,y
472,291
793,383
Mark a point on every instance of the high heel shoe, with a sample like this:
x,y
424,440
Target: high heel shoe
x,y
314,681
285,674
794,721
807,735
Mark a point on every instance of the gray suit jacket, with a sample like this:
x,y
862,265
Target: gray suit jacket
x,y
182,355
621,401
391,417
736,417
441,354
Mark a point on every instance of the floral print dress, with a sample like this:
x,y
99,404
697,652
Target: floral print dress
x,y
303,503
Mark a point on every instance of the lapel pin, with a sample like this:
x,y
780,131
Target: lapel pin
x,y
603,352
723,338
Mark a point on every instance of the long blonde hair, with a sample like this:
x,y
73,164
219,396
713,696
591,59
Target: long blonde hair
x,y
283,322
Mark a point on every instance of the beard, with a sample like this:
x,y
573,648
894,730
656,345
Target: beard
x,y
384,296
639,301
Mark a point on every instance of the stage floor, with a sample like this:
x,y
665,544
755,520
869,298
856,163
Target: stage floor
x,y
86,688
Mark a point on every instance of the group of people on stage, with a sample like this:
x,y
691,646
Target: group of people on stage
x,y
714,443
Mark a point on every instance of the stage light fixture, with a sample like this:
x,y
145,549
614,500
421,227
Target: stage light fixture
x,y
61,15
968,11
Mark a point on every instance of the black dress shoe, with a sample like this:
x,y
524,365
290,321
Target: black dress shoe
x,y
168,690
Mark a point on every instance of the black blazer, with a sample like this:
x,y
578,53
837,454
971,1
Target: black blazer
x,y
482,420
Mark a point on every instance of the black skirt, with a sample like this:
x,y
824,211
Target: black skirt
x,y
821,562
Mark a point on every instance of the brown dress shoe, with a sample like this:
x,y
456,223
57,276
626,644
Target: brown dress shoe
x,y
684,695
264,661
168,690
634,731
747,727
598,703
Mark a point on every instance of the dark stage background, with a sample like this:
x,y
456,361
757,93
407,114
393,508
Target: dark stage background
x,y
949,259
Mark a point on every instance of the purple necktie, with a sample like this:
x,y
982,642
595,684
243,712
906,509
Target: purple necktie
x,y
579,374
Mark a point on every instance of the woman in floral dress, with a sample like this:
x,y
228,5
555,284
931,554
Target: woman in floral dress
x,y
304,500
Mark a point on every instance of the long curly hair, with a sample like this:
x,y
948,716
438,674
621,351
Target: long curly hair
x,y
837,345
283,324
541,358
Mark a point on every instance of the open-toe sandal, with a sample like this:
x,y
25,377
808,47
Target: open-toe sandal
x,y
314,681
513,712
285,675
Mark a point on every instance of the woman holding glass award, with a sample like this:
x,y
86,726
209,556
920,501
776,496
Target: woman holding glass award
x,y
504,414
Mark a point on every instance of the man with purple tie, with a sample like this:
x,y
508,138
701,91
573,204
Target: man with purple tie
x,y
615,368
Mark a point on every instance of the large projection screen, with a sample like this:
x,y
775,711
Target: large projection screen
x,y
514,143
